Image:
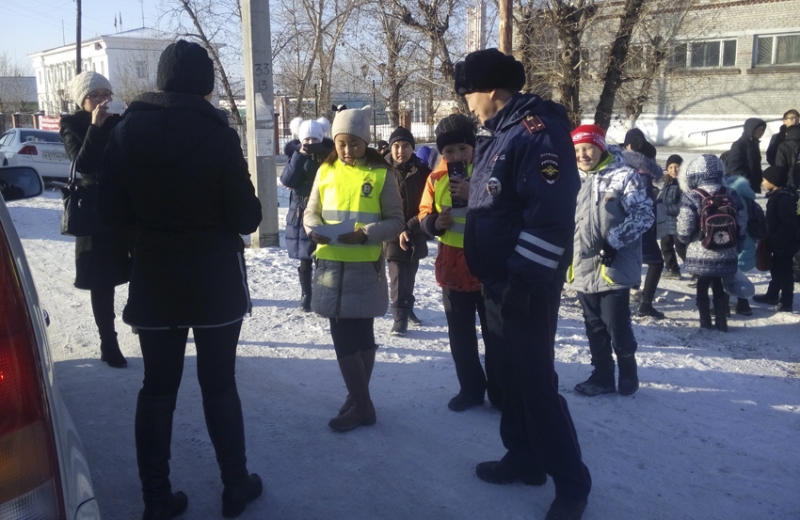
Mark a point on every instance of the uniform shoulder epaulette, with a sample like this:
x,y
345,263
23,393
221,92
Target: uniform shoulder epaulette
x,y
533,124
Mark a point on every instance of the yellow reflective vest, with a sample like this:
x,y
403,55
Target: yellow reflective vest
x,y
454,236
350,192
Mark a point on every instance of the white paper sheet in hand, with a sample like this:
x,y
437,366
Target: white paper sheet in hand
x,y
333,231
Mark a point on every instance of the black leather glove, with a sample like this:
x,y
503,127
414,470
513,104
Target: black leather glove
x,y
607,254
516,302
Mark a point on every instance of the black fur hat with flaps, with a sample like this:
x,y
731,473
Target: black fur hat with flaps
x,y
487,70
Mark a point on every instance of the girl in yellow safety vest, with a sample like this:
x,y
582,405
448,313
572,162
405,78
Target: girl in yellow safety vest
x,y
353,208
443,213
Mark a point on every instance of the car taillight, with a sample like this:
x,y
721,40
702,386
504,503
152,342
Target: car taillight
x,y
28,150
30,486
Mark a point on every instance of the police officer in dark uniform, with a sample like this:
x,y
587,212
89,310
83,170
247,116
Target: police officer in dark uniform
x,y
518,243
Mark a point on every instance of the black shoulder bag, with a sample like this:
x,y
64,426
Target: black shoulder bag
x,y
80,202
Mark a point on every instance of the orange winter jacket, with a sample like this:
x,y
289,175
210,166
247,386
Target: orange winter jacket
x,y
451,266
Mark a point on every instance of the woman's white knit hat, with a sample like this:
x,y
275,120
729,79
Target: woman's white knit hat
x,y
310,128
354,121
86,82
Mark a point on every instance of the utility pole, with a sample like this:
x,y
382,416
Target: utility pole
x,y
506,28
78,39
260,117
374,110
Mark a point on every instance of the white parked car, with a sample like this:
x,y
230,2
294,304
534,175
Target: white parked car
x,y
43,468
40,149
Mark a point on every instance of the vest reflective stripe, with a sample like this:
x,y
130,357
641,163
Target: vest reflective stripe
x,y
345,193
441,198
332,215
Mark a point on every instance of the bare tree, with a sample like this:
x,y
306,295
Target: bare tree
x,y
432,18
657,30
213,24
135,73
617,55
550,47
16,90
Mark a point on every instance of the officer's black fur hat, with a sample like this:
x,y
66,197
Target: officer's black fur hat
x,y
487,70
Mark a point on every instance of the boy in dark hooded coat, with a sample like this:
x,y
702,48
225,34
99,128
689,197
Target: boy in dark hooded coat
x,y
744,157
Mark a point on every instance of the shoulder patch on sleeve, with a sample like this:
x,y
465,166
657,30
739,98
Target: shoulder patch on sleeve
x,y
533,124
549,167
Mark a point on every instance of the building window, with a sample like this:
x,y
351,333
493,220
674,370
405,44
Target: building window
x,y
141,69
637,58
706,54
778,50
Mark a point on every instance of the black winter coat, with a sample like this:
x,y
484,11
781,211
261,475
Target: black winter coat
x,y
102,259
782,221
744,157
670,196
298,175
787,154
774,142
177,169
411,178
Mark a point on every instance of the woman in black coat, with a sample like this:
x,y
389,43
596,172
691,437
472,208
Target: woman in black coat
x,y
744,157
177,170
102,260
298,175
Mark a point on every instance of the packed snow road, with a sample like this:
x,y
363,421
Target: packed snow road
x,y
711,434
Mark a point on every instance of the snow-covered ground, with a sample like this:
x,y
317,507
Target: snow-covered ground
x,y
713,432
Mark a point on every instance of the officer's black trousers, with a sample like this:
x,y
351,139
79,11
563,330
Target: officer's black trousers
x,y
536,426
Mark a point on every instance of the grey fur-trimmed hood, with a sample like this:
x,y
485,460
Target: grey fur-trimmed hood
x,y
707,171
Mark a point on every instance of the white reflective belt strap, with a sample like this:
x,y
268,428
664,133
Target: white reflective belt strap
x,y
541,244
539,259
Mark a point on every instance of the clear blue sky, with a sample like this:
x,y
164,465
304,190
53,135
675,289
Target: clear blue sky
x,y
33,26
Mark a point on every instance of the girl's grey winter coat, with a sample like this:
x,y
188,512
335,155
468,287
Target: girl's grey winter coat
x,y
613,207
356,289
706,173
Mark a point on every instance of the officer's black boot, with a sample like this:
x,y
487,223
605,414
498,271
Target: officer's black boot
x,y
600,382
225,425
153,432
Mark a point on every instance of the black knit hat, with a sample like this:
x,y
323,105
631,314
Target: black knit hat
x,y
455,128
777,175
185,67
631,135
402,134
674,159
487,70
644,148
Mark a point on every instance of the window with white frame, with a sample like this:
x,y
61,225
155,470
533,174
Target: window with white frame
x,y
141,69
780,49
703,54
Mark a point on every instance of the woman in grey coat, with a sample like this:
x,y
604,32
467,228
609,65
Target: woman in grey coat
x,y
710,266
354,184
